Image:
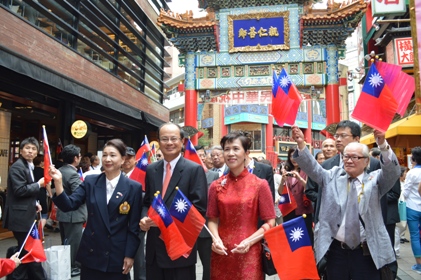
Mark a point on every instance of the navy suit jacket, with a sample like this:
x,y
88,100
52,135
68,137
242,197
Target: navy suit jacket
x,y
264,171
111,234
191,180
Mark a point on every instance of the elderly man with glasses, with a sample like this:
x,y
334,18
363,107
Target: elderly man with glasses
x,y
354,237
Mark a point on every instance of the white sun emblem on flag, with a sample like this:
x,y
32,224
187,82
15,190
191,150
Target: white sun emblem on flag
x,y
144,162
282,199
375,80
284,81
181,205
296,234
161,211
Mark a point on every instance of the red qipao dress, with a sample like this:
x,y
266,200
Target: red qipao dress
x,y
238,202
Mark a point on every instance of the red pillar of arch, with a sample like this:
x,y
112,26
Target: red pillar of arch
x,y
332,104
307,132
269,131
191,112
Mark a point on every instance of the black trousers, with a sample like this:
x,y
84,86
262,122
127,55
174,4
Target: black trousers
x,y
153,271
33,270
204,247
350,264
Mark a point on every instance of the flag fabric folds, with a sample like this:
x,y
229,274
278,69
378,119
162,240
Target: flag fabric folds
x,y
144,147
174,242
191,154
291,250
287,203
188,220
80,173
34,247
47,157
376,105
139,171
401,84
286,101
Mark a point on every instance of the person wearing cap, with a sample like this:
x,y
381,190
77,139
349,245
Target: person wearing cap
x,y
130,162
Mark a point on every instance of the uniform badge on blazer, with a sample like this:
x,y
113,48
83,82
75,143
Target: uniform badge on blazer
x,y
124,208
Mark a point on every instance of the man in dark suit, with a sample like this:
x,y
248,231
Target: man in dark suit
x,y
191,180
263,171
71,223
204,242
21,204
217,155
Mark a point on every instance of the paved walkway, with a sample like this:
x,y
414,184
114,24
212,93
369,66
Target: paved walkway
x,y
405,261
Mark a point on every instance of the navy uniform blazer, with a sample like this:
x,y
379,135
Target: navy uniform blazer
x,y
191,180
111,234
22,194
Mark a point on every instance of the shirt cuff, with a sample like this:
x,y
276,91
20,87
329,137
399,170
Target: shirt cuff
x,y
386,152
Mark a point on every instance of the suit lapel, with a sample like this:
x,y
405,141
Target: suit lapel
x,y
175,178
368,187
120,193
100,192
342,191
158,177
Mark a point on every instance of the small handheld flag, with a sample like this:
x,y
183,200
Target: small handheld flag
x,y
47,157
33,245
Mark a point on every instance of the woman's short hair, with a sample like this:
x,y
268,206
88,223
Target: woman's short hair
x,y
416,154
243,136
118,144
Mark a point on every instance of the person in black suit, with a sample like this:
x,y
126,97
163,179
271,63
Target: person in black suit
x,y
111,237
204,242
21,204
191,180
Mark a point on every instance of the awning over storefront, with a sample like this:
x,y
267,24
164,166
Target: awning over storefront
x,y
406,132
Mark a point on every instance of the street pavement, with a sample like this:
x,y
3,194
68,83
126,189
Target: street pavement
x,y
405,261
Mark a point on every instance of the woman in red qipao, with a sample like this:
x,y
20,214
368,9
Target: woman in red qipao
x,y
236,201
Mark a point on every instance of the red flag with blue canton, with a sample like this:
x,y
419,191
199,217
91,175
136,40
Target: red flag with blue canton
x,y
296,259
47,157
34,247
188,220
80,173
287,203
286,101
144,147
191,154
174,242
376,105
139,171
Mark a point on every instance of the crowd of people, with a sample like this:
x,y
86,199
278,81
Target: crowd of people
x,y
347,194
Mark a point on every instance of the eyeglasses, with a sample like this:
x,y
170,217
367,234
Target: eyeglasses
x,y
343,135
172,139
353,158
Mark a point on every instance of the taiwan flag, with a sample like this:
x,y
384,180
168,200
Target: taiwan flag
x,y
47,157
139,171
376,105
191,154
34,247
286,101
144,148
80,173
296,259
174,242
188,220
287,203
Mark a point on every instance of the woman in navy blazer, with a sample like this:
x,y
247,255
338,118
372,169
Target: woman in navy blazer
x,y
110,239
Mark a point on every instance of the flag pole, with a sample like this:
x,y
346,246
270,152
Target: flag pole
x,y
213,236
26,238
46,140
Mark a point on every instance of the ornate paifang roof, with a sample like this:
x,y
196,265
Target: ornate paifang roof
x,y
229,4
331,26
188,33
